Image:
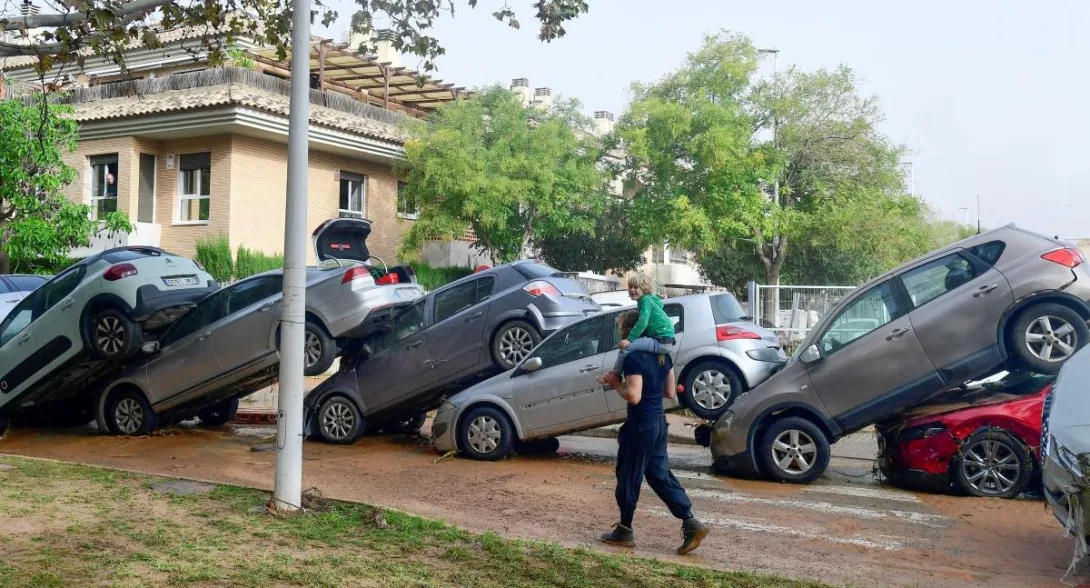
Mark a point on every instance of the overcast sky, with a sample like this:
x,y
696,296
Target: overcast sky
x,y
992,97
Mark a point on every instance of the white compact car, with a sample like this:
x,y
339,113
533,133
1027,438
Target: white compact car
x,y
68,332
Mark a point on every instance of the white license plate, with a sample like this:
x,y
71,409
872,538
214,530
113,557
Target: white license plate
x,y
186,281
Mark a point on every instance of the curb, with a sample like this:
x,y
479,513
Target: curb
x,y
612,432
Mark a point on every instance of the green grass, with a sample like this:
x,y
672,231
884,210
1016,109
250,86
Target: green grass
x,y
214,253
74,525
432,278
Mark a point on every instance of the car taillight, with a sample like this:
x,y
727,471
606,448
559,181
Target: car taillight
x,y
388,279
731,332
540,288
121,270
1066,257
356,273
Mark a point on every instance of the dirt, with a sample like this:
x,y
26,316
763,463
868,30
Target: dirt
x,y
839,532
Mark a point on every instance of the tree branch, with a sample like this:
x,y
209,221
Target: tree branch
x,y
127,11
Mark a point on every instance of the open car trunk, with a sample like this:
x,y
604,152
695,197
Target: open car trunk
x,y
343,241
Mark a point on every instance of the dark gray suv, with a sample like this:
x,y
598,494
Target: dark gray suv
x,y
466,331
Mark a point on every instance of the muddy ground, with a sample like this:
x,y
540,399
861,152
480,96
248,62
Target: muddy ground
x,y
843,529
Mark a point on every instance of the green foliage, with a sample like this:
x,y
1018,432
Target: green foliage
x,y
240,58
512,174
432,278
38,224
214,253
611,247
249,262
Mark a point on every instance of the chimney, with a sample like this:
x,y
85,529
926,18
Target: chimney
x,y
603,122
521,88
383,48
543,97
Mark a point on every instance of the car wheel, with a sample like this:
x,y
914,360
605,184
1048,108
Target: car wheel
x,y
319,350
410,425
793,450
128,413
710,389
513,343
1046,335
993,464
218,414
486,433
339,421
114,336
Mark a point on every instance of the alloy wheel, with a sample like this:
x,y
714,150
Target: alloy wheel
x,y
794,452
484,434
515,345
991,467
312,349
129,416
711,389
1051,339
338,421
110,335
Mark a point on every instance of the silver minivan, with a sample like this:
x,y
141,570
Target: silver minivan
x,y
1005,296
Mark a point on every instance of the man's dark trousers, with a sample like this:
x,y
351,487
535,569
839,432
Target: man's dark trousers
x,y
643,453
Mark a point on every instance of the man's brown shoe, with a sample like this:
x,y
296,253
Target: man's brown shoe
x,y
620,535
693,532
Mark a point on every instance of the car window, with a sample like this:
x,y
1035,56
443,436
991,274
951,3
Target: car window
x,y
25,283
536,271
576,342
461,297
252,292
4,289
877,307
931,280
989,252
58,289
131,254
726,309
409,322
210,310
677,316
17,320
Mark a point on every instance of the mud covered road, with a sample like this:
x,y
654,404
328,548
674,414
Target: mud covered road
x,y
843,529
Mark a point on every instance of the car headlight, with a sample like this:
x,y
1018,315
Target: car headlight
x,y
1067,458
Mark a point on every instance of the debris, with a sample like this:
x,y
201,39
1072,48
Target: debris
x,y
444,456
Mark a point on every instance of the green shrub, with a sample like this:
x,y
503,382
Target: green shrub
x,y
432,278
250,263
41,266
214,253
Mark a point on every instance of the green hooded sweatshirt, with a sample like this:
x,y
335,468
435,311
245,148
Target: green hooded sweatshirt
x,y
653,321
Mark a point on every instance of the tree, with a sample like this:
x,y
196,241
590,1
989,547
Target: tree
x,y
611,247
722,157
109,27
38,224
510,174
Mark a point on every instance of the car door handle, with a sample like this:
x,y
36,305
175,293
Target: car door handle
x,y
67,304
22,340
984,290
897,333
414,345
265,308
473,317
589,368
203,336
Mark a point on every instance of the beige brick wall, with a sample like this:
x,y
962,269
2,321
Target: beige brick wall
x,y
178,238
128,166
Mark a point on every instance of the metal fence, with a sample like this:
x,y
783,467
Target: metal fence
x,y
791,311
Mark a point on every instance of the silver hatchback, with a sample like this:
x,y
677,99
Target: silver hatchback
x,y
555,391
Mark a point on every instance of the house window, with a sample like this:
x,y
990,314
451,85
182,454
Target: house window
x,y
103,185
406,205
658,255
195,187
678,255
353,195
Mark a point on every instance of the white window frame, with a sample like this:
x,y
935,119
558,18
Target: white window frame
x,y
94,200
353,179
407,215
183,198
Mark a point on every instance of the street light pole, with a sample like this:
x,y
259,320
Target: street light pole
x,y
775,186
287,491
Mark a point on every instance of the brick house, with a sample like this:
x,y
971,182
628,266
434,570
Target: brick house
x,y
189,151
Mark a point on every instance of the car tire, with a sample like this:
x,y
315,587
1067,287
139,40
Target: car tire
x,y
319,350
409,425
513,343
340,421
485,433
218,414
798,443
1037,331
710,388
128,413
992,464
112,335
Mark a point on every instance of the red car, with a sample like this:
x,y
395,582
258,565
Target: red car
x,y
982,439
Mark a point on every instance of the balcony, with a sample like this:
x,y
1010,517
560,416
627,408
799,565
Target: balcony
x,y
146,234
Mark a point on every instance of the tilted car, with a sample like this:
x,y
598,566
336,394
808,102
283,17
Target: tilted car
x,y
226,347
555,391
459,334
15,287
1065,450
89,319
1005,297
982,439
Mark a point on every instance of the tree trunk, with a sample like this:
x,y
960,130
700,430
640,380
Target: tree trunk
x,y
5,263
772,256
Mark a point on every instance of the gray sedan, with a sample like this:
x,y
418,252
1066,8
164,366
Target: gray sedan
x,y
555,391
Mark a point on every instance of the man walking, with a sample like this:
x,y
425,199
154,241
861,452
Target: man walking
x,y
642,443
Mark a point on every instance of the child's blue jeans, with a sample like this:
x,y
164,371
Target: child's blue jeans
x,y
647,344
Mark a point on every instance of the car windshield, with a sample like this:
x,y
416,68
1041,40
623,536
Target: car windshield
x,y
726,309
128,255
536,271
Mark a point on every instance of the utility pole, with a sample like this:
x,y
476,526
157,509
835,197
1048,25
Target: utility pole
x,y
287,491
775,186
978,214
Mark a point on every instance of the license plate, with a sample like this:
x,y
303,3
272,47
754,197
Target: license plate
x,y
184,281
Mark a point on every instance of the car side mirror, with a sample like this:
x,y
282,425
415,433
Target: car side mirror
x,y
810,354
532,365
150,347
